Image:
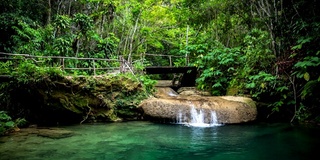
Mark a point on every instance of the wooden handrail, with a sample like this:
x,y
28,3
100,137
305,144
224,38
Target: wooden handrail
x,y
57,57
169,56
121,60
62,61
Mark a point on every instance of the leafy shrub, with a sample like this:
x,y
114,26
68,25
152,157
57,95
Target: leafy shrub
x,y
6,123
218,68
148,83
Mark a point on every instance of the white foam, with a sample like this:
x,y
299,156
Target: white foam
x,y
197,118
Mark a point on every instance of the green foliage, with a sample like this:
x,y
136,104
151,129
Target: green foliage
x,y
218,67
306,71
310,88
62,46
260,83
139,67
106,46
308,63
84,22
246,69
5,67
62,23
255,71
24,71
148,83
180,62
5,123
258,56
192,51
21,122
28,39
299,39
27,72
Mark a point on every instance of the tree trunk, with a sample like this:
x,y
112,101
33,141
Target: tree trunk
x,y
59,6
49,12
132,39
269,10
69,8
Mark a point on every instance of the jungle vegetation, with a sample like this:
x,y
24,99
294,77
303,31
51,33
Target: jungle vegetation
x,y
266,49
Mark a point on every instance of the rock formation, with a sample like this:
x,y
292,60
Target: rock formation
x,y
58,99
167,104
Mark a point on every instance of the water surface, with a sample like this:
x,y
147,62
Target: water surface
x,y
151,141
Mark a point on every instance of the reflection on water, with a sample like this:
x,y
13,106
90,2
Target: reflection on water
x,y
149,141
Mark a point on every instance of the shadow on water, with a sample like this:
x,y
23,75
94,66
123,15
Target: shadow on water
x,y
150,141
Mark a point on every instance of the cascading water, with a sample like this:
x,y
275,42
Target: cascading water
x,y
198,118
214,119
179,118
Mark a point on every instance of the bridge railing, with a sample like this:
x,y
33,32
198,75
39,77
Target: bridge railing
x,y
169,59
91,64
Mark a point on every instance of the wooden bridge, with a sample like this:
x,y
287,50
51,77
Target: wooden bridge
x,y
97,66
185,76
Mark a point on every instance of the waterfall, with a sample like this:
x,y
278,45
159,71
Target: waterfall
x,y
197,118
179,119
214,119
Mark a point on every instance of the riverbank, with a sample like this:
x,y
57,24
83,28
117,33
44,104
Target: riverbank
x,y
57,99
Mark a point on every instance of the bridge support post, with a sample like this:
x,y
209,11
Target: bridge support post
x,y
94,67
62,63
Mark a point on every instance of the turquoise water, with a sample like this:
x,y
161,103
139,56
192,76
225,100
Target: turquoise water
x,y
151,141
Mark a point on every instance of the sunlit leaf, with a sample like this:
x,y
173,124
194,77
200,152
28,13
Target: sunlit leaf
x,y
262,85
306,76
284,96
9,124
216,85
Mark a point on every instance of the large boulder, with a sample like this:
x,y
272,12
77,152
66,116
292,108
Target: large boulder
x,y
58,99
228,109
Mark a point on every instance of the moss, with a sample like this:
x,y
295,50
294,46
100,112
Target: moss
x,y
110,97
232,91
102,98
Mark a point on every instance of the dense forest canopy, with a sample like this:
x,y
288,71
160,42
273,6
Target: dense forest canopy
x,y
268,49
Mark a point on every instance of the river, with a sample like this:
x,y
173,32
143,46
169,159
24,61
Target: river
x,y
142,140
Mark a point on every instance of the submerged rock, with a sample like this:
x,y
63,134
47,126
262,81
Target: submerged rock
x,y
228,109
54,133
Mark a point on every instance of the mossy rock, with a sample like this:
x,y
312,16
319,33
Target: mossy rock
x,y
79,99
